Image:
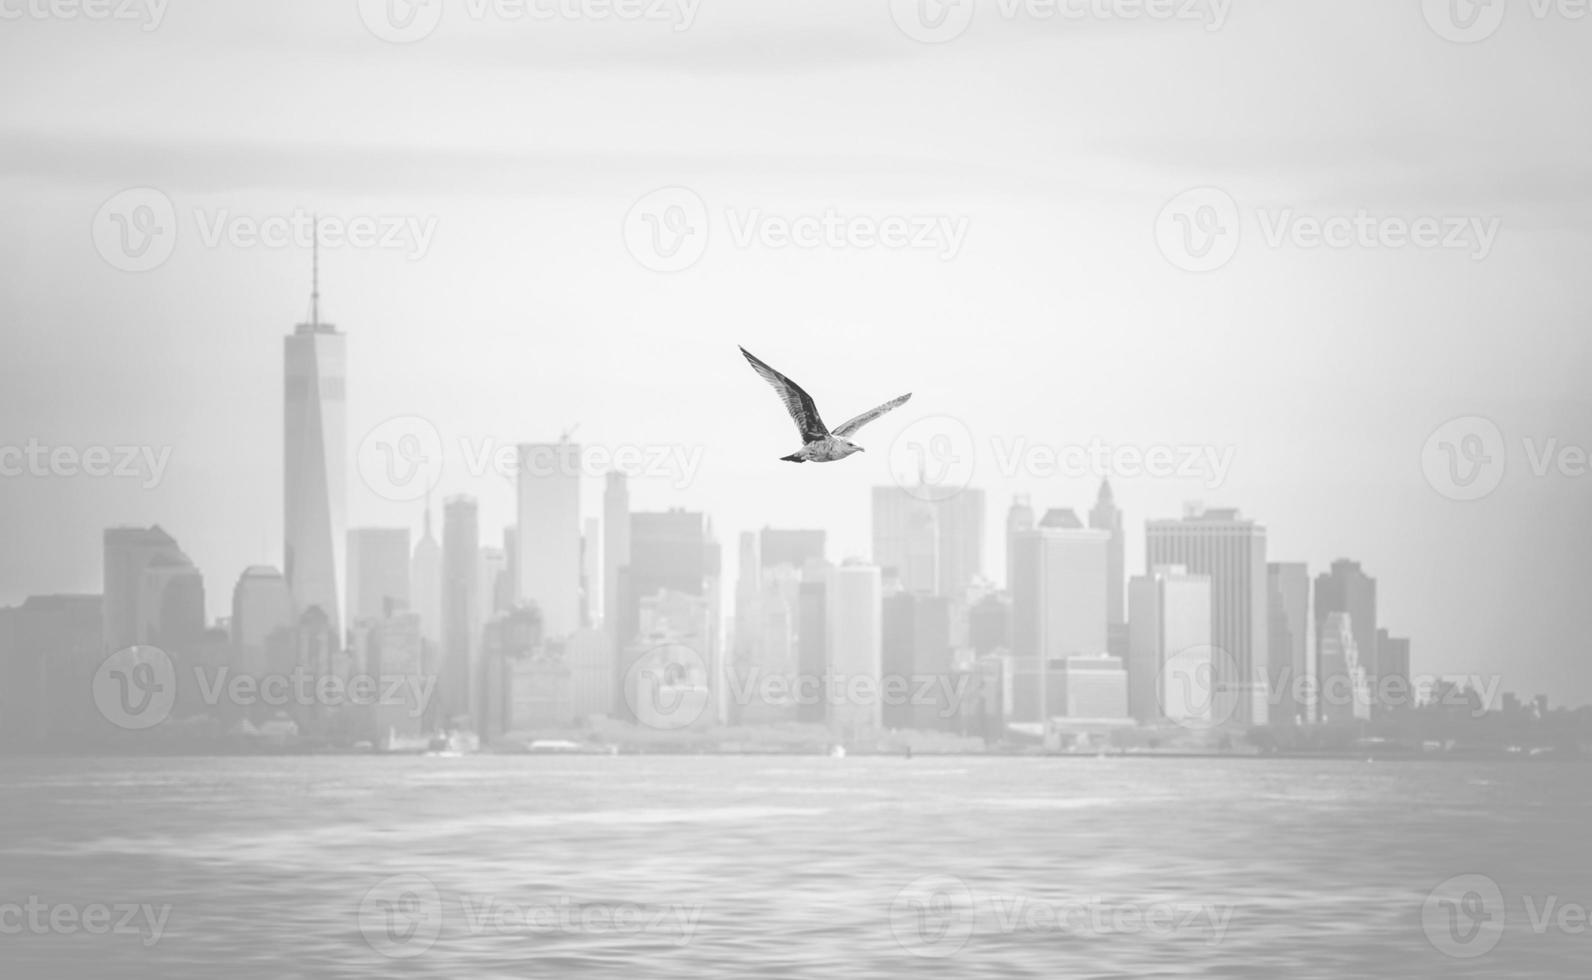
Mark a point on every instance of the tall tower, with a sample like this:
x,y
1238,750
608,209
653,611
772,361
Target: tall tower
x,y
1348,589
1106,516
1232,551
425,576
314,450
548,535
461,544
1288,631
616,549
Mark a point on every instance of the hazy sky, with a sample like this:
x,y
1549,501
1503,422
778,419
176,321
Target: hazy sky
x,y
1034,155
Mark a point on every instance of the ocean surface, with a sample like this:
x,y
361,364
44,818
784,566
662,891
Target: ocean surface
x,y
734,867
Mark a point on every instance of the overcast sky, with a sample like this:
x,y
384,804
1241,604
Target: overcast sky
x,y
512,164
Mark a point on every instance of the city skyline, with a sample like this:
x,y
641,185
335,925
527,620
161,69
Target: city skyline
x,y
523,312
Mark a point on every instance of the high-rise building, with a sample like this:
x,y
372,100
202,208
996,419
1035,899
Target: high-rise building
x,y
1019,519
461,542
853,610
616,549
929,539
171,603
262,607
917,662
128,552
425,582
1231,550
906,539
1288,624
548,563
395,654
1107,516
1090,687
591,581
1348,589
812,645
1059,605
796,548
50,649
1393,691
314,451
378,573
1345,692
1169,639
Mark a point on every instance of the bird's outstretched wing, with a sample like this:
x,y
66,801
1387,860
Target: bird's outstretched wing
x,y
845,430
797,402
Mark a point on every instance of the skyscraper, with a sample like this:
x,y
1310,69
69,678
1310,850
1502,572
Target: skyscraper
x,y
1394,692
616,548
128,552
1169,662
261,606
1348,589
591,580
853,611
1288,619
461,542
1345,693
378,573
1106,516
548,534
906,539
1059,606
777,546
314,450
930,539
425,581
1019,518
1232,551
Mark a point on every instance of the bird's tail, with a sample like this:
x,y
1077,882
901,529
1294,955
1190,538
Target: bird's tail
x,y
793,458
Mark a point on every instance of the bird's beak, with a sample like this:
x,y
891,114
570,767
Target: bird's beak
x,y
861,449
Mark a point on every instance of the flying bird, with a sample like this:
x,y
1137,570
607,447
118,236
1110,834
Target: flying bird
x,y
819,444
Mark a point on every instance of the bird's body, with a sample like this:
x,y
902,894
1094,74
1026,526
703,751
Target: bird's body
x,y
819,444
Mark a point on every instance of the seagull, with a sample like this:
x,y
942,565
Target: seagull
x,y
819,444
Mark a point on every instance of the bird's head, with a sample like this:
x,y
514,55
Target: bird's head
x,y
852,447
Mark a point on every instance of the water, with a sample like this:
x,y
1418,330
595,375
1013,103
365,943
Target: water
x,y
487,867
